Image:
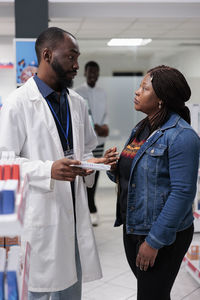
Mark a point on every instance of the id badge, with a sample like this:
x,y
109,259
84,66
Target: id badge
x,y
69,154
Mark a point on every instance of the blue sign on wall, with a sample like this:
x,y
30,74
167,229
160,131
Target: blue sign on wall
x,y
26,60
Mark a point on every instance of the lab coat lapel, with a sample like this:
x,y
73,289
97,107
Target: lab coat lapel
x,y
45,114
75,126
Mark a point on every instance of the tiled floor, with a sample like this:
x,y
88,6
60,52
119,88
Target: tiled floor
x,y
118,282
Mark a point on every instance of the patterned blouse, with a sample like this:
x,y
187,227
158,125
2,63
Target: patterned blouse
x,y
124,169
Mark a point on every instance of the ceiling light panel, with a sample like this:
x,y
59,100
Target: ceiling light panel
x,y
129,42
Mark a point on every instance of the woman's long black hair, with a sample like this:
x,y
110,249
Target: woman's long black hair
x,y
172,89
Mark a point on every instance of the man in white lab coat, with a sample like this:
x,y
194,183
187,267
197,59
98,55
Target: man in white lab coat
x,y
97,105
42,122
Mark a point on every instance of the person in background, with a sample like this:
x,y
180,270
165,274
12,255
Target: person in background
x,y
97,105
157,175
48,128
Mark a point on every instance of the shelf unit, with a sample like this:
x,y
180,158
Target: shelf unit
x,y
12,225
197,220
6,66
192,266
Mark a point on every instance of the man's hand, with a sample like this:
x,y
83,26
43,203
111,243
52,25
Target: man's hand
x,y
146,256
63,170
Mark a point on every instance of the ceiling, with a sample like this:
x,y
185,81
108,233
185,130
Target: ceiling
x,y
172,25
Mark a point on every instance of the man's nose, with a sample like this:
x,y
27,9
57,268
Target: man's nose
x,y
76,65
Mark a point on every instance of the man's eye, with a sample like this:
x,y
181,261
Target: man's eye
x,y
70,57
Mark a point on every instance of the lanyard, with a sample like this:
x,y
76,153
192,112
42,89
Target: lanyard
x,y
67,129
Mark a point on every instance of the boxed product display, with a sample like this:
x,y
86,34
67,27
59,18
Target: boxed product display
x,y
2,242
9,185
193,252
14,267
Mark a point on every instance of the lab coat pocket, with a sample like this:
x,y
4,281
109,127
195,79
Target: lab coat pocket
x,y
42,210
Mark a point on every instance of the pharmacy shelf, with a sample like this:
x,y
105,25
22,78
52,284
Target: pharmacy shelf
x,y
12,224
196,220
197,214
23,285
192,266
16,262
6,65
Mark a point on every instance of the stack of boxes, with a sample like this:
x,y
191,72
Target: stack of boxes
x,y
9,188
9,185
9,270
194,252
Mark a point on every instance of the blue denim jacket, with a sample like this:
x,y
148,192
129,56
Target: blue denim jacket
x,y
162,184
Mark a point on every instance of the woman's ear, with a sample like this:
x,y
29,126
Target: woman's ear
x,y
160,103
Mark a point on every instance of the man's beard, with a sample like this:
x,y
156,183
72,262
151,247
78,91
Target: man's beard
x,y
62,80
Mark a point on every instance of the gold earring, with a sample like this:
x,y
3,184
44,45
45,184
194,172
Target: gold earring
x,y
159,104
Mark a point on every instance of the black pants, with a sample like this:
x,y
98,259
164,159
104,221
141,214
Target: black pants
x,y
156,283
98,152
91,195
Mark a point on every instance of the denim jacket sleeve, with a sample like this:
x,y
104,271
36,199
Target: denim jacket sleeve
x,y
183,159
111,175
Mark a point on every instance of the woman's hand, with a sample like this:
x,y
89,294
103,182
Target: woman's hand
x,y
146,256
110,158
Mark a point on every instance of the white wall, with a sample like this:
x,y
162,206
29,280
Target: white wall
x,y
7,76
188,62
129,61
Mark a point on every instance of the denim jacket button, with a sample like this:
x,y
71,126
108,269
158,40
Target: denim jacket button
x,y
131,230
152,151
132,208
133,185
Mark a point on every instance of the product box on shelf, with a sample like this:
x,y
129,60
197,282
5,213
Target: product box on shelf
x,y
192,260
193,252
12,196
11,241
14,273
2,242
2,270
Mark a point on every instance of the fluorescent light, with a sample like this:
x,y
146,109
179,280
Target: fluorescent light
x,y
129,42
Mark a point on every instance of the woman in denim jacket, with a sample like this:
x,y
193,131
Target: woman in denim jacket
x,y
156,175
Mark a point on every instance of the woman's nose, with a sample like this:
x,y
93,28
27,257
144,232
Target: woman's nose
x,y
137,92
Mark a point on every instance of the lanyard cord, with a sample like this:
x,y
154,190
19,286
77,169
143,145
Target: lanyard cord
x,y
67,129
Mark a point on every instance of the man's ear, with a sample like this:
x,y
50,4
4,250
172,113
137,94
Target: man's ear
x,y
47,55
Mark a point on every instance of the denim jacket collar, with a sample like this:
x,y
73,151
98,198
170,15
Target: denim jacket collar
x,y
171,122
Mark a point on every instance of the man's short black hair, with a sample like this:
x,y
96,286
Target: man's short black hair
x,y
92,64
49,38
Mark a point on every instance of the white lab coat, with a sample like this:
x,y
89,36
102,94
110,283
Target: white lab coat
x,y
27,127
